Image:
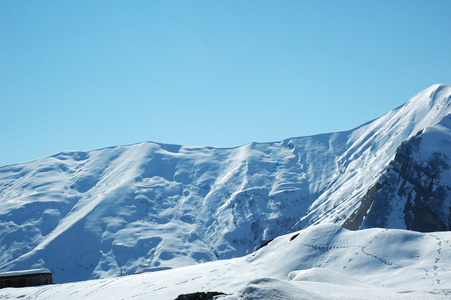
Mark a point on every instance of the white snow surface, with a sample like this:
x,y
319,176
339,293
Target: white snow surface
x,y
151,207
320,262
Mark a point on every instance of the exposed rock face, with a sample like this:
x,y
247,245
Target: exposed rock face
x,y
355,219
412,192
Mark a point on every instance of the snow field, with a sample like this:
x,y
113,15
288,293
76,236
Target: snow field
x,y
320,262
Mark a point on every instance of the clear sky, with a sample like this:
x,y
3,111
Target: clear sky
x,y
82,75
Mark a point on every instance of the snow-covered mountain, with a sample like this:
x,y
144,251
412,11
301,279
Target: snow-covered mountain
x,y
149,206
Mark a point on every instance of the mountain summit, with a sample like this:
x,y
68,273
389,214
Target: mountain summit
x,y
150,206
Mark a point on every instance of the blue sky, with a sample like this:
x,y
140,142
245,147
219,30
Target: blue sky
x,y
82,75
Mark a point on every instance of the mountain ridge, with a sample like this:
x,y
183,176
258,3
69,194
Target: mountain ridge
x,y
152,205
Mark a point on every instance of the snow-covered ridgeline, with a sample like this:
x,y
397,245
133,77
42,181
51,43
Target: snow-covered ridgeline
x,y
89,214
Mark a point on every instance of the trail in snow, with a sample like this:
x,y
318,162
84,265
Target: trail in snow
x,y
321,262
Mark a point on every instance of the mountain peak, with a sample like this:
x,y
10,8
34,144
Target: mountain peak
x,y
436,97
151,205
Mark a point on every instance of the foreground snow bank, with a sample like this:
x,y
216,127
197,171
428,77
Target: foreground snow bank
x,y
320,262
266,288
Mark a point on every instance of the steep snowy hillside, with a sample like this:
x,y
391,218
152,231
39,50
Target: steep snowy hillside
x,y
419,179
320,262
152,206
413,191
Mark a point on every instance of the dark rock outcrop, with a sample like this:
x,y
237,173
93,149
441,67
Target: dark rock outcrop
x,y
199,296
410,189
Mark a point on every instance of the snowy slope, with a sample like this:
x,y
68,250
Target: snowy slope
x,y
321,262
152,206
419,178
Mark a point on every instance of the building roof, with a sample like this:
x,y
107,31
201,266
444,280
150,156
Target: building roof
x,y
25,272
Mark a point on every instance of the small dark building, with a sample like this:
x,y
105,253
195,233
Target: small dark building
x,y
25,278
